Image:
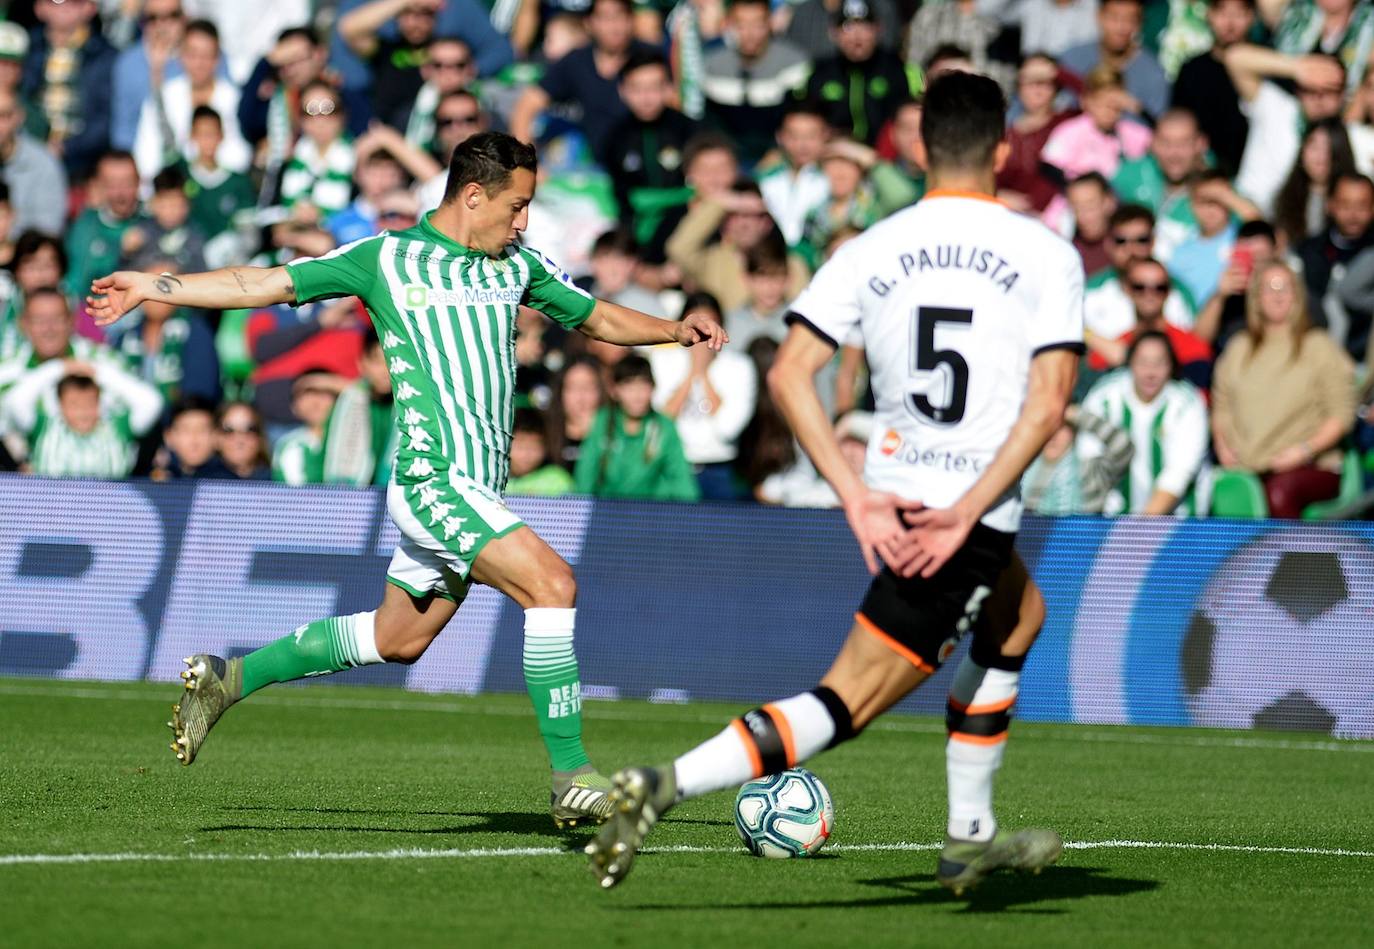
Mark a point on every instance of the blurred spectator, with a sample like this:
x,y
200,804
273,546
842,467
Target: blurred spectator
x,y
851,203
395,63
1118,47
1147,286
644,152
1324,257
1325,155
631,450
46,328
1284,397
270,107
710,243
1222,316
171,348
1276,117
761,316
145,65
320,170
240,446
1053,26
360,434
1199,261
168,232
711,397
1340,28
794,186
69,74
7,242
537,353
1061,481
287,341
810,27
802,486
298,455
531,470
164,123
1103,136
861,86
377,174
250,27
578,393
1093,203
95,238
746,82
448,68
1107,310
14,49
1159,179
901,182
217,194
766,446
80,420
615,258
959,23
457,117
39,261
1166,419
1022,182
37,183
189,442
1204,87
585,79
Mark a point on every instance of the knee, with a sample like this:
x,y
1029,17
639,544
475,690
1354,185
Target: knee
x,y
402,644
555,587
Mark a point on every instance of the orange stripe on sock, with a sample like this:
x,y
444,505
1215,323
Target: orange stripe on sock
x,y
978,739
990,707
904,651
784,727
751,746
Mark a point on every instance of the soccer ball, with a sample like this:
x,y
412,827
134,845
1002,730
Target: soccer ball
x,y
1280,637
785,815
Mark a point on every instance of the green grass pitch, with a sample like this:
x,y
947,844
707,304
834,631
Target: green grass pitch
x,y
336,816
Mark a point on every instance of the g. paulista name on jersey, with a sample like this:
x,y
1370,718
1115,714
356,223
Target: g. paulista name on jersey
x,y
949,257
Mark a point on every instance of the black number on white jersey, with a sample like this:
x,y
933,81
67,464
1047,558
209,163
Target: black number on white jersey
x,y
933,366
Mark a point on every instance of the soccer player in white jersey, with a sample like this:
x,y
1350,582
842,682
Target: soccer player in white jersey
x,y
972,317
444,297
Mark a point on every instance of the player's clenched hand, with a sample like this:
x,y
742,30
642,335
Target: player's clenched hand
x,y
695,328
116,294
875,517
938,533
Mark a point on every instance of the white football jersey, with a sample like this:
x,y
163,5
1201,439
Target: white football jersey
x,y
954,296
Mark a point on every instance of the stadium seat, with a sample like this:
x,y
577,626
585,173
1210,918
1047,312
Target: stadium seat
x,y
1352,486
1237,493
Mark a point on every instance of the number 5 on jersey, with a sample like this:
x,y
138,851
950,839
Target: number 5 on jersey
x,y
942,371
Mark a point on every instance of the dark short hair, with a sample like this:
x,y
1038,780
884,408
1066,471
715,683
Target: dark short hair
x,y
1258,228
76,383
189,404
641,59
1204,175
458,94
619,240
1352,177
31,242
1092,178
530,420
1217,3
701,300
371,340
203,27
1129,213
765,257
962,120
1154,336
630,368
808,107
708,141
487,160
299,32
1148,262
4,193
170,178
1134,3
627,5
42,293
946,51
115,154
205,112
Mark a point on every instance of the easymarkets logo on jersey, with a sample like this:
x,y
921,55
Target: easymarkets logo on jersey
x,y
420,297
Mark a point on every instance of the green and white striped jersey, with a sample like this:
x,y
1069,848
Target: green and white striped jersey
x,y
56,451
446,316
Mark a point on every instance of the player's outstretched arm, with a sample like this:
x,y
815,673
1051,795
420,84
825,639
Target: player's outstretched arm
x,y
233,287
612,323
941,531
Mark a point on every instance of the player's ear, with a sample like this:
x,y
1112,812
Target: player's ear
x,y
472,195
1000,155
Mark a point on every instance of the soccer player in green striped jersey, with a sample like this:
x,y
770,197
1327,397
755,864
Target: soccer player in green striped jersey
x,y
443,296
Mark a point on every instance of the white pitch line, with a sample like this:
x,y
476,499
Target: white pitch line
x,y
606,711
31,859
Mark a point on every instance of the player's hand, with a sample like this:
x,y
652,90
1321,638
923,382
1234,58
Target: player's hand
x,y
116,294
939,532
695,328
875,517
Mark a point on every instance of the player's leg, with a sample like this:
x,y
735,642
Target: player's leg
x,y
525,568
978,714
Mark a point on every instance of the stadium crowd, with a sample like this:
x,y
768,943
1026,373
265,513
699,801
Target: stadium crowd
x,y
1209,159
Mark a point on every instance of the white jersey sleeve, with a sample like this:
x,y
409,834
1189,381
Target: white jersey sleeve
x,y
1058,321
830,306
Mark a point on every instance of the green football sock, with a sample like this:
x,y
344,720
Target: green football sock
x,y
551,677
315,649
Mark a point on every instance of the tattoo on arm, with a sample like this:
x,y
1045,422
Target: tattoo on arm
x,y
238,278
164,282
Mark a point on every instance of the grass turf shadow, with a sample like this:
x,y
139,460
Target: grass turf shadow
x,y
997,894
523,823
